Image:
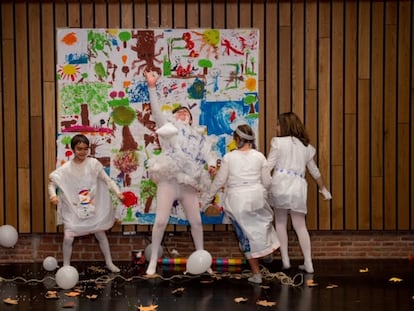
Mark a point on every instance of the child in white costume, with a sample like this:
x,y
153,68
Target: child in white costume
x,y
84,203
179,171
289,157
243,174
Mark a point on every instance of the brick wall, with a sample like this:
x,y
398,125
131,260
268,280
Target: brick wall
x,y
325,245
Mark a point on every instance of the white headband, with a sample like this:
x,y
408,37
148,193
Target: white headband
x,y
244,135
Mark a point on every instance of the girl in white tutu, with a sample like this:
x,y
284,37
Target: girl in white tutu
x,y
179,171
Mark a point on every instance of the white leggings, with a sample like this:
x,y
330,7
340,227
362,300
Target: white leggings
x,y
103,244
167,192
299,225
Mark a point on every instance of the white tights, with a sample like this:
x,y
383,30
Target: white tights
x,y
167,192
299,225
103,244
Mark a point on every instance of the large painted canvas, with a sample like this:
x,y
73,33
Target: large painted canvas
x,y
102,93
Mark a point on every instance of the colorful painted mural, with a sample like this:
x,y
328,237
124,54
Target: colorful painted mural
x,y
102,93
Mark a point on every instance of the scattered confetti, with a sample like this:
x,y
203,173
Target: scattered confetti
x,y
395,280
311,283
363,270
97,269
240,299
147,308
332,286
265,303
10,301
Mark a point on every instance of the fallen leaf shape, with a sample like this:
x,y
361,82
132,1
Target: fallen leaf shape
x,y
178,291
10,301
94,296
240,299
72,294
363,270
311,283
265,303
395,279
147,308
51,294
69,304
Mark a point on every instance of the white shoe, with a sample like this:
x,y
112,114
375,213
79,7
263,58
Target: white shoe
x,y
255,278
306,267
113,268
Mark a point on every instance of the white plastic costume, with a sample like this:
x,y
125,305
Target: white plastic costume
x,y
179,171
289,158
85,205
243,173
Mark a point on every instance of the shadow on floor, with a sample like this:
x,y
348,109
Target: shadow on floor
x,y
336,285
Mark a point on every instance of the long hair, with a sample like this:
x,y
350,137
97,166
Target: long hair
x,y
244,134
291,125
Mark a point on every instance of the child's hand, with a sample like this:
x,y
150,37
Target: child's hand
x,y
54,200
326,194
121,196
151,77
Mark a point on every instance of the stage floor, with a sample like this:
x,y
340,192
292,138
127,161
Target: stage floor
x,y
336,285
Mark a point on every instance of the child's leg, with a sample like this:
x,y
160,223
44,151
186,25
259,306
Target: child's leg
x,y
254,265
245,248
166,193
67,249
299,224
104,245
190,204
281,218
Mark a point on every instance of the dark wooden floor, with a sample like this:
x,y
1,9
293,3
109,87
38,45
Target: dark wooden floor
x,y
338,285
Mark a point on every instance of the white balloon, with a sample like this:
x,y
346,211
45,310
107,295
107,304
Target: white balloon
x,y
199,262
67,277
8,236
148,251
50,263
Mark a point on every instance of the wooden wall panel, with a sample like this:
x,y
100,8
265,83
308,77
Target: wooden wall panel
x,y
345,67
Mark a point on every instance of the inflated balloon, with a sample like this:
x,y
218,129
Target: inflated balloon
x,y
67,277
50,263
8,236
148,251
199,262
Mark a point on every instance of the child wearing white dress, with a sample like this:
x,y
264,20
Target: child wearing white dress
x,y
178,171
245,179
83,204
289,157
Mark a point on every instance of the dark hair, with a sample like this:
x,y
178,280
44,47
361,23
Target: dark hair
x,y
183,108
241,141
78,139
291,125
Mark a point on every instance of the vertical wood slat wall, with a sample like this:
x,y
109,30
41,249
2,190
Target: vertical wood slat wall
x,y
346,67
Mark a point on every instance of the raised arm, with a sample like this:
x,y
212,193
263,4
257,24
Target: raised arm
x,y
156,112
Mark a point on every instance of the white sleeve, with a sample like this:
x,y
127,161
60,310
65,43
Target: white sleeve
x,y
313,169
108,180
52,188
266,177
156,112
272,157
219,180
